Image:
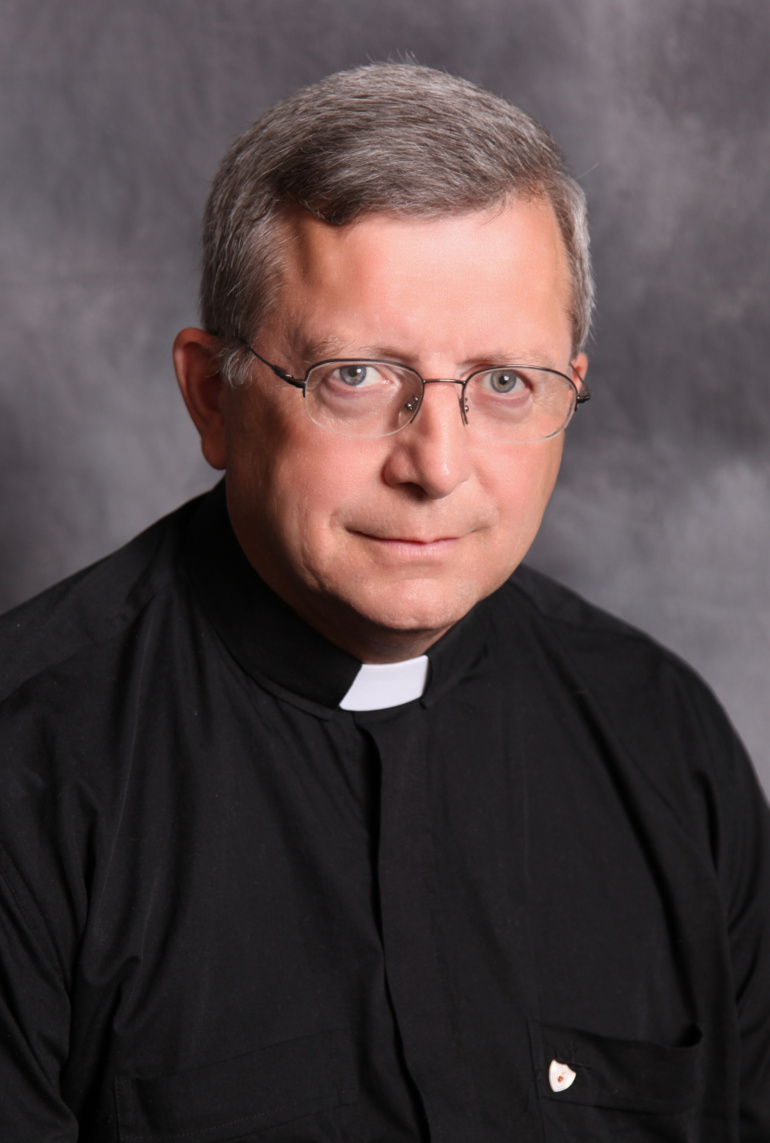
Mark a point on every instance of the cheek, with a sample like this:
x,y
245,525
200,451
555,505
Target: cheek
x,y
550,468
523,486
315,483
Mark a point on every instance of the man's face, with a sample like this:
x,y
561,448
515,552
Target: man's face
x,y
382,544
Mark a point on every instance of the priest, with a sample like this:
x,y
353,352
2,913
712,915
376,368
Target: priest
x,y
322,818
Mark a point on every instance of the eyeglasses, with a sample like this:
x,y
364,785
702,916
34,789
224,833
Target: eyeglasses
x,y
359,398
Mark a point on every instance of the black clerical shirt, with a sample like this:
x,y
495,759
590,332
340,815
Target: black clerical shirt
x,y
231,910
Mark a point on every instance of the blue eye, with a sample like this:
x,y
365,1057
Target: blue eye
x,y
354,374
504,380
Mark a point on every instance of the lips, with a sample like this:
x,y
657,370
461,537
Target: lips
x,y
418,540
402,548
411,539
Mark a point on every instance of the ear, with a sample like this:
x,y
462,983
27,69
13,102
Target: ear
x,y
197,370
580,365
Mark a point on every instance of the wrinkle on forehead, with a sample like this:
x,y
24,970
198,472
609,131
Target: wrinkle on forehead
x,y
323,263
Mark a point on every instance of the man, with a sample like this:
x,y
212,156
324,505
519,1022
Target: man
x,y
318,822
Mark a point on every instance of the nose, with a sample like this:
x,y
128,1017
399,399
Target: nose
x,y
432,453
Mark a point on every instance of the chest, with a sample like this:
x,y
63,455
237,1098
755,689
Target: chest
x,y
390,926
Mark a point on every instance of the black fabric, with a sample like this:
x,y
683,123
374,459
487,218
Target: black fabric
x,y
231,910
241,1096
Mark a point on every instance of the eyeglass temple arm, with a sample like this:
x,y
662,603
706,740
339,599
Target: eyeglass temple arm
x,y
584,394
275,368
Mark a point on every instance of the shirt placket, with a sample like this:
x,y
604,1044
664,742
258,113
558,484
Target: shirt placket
x,y
416,971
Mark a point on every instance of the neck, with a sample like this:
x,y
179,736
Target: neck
x,y
365,640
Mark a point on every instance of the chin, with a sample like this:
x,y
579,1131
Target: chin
x,y
411,610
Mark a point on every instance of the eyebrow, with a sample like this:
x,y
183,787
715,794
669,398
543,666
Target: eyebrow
x,y
310,350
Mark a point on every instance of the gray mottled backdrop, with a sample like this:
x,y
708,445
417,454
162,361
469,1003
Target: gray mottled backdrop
x,y
113,118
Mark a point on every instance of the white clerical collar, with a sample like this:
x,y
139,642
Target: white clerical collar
x,y
380,685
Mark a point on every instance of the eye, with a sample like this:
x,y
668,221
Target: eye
x,y
355,374
504,381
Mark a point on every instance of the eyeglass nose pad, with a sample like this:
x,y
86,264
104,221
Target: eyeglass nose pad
x,y
413,404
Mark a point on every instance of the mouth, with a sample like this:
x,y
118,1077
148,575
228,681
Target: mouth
x,y
410,547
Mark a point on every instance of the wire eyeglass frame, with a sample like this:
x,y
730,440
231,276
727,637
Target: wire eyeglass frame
x,y
581,395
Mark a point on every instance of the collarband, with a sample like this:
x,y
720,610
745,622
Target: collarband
x,y
379,686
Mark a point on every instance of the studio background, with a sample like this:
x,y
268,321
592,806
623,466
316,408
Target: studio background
x,y
114,117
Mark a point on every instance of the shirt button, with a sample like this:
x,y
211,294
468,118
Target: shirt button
x,y
560,1076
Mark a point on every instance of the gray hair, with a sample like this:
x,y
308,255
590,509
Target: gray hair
x,y
392,138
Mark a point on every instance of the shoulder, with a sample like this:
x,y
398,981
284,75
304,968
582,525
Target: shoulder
x,y
564,608
92,607
654,723
646,699
81,668
604,646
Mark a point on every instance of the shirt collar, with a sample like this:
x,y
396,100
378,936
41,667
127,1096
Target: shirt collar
x,y
277,648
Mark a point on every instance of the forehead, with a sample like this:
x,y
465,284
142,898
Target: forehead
x,y
390,280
